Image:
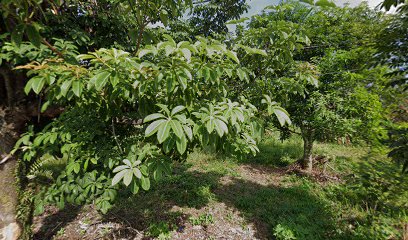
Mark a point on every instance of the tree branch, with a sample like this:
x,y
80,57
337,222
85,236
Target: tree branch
x,y
52,48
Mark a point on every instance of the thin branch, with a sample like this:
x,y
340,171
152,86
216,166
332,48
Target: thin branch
x,y
115,137
294,132
52,48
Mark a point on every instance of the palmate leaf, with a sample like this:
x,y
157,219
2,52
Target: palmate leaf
x,y
153,116
153,127
177,128
177,110
164,131
145,183
181,143
116,179
282,115
188,131
220,127
210,124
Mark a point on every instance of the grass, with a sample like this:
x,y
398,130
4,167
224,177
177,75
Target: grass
x,y
221,194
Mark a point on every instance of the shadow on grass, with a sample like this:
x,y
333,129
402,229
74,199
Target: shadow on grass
x,y
286,210
182,189
283,210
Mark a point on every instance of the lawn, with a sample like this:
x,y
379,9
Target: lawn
x,y
215,197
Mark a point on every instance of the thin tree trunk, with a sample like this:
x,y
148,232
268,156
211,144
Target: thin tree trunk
x,y
308,139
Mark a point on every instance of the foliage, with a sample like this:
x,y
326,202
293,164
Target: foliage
x,y
209,18
97,142
318,73
398,142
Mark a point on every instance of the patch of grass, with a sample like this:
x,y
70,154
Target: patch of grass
x,y
368,203
277,153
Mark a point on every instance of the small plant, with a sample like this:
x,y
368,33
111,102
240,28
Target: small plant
x,y
204,219
159,230
60,232
282,232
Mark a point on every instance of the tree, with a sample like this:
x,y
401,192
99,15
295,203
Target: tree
x,y
209,18
33,31
318,84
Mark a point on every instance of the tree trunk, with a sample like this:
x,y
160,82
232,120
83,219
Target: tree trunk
x,y
308,139
9,228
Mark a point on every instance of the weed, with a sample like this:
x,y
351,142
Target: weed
x,y
203,220
159,230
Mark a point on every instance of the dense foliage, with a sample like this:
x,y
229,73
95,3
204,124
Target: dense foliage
x,y
124,100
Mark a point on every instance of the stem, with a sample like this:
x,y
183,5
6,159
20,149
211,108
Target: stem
x,y
139,38
115,137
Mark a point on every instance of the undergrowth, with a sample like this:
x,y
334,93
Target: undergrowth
x,y
367,202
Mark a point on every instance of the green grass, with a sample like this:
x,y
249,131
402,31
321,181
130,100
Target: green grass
x,y
354,208
370,201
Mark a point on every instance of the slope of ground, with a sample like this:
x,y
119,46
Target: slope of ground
x,y
210,197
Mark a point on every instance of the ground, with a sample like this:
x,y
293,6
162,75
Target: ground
x,y
213,197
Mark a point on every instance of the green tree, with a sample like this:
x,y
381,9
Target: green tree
x,y
321,85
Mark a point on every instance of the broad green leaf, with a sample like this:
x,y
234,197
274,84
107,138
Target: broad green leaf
x,y
100,79
164,131
137,172
28,86
37,84
33,35
188,131
127,178
177,128
210,124
118,177
220,127
282,116
170,39
232,55
134,188
17,34
168,144
164,17
241,74
181,144
153,116
145,183
77,88
153,127
177,109
127,162
186,53
120,168
65,87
